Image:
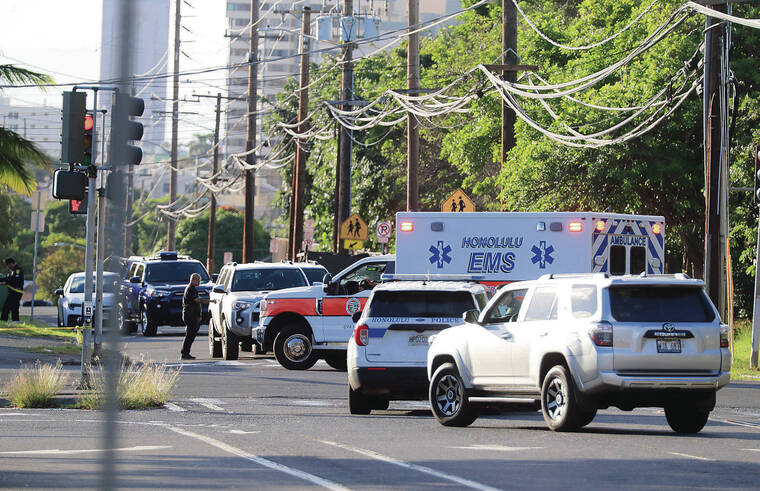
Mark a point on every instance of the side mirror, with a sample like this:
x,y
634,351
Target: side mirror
x,y
135,279
356,316
327,284
471,316
59,292
214,277
219,289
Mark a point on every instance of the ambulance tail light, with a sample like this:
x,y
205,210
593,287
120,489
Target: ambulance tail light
x,y
361,335
657,228
600,225
406,226
575,227
601,333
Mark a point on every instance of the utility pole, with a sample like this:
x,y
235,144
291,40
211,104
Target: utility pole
x,y
509,57
343,172
211,245
250,143
413,130
299,166
172,225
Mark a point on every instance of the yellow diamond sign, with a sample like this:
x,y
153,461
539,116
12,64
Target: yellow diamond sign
x,y
458,201
354,229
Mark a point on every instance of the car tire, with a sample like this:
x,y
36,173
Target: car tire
x,y
586,417
559,404
293,348
337,361
214,344
60,321
230,343
358,403
246,345
125,327
685,419
448,398
148,325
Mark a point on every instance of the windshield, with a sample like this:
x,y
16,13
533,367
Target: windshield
x,y
660,304
314,274
77,284
266,279
420,304
174,272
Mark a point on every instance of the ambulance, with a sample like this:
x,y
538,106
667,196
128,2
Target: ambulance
x,y
502,247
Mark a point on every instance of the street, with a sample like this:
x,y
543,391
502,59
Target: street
x,y
250,423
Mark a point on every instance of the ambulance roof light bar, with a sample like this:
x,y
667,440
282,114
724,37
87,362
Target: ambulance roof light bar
x,y
431,277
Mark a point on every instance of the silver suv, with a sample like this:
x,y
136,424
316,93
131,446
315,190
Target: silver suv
x,y
579,343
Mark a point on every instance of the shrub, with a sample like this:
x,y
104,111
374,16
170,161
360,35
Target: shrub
x,y
36,387
141,386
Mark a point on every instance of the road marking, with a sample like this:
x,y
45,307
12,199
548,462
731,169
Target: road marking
x,y
261,461
229,362
241,432
751,449
2,415
741,423
415,467
212,404
309,403
173,407
691,456
56,451
497,448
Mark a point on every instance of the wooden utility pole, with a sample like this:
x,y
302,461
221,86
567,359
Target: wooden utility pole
x,y
171,243
413,130
250,143
343,174
299,166
509,57
211,245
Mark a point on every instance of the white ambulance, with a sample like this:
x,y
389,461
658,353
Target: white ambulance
x,y
502,247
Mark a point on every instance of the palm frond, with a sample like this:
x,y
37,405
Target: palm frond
x,y
15,75
15,152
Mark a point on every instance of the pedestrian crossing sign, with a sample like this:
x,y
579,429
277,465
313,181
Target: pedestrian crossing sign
x,y
458,201
354,228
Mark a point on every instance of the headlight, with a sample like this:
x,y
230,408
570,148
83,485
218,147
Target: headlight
x,y
158,293
240,305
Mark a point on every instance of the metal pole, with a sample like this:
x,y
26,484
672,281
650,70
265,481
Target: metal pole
x,y
211,245
99,271
172,225
509,57
413,130
88,252
347,94
36,242
250,143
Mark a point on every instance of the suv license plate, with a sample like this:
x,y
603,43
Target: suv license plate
x,y
668,345
418,340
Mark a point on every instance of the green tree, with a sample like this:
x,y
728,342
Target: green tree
x,y
55,268
59,220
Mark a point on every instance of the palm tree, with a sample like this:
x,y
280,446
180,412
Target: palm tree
x,y
15,150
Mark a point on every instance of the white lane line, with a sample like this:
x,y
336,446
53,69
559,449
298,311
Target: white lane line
x,y
173,407
497,448
740,423
212,404
56,451
261,461
406,465
242,432
229,362
2,415
751,449
691,456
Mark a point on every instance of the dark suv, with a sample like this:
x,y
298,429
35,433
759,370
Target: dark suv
x,y
151,290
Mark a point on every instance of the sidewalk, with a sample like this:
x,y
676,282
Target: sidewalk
x,y
15,351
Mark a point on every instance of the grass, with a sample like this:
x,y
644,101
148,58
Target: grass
x,y
36,329
740,369
35,387
141,386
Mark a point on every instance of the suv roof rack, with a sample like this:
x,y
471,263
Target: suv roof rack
x,y
558,276
676,276
430,277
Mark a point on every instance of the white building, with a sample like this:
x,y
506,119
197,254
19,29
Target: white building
x,y
39,124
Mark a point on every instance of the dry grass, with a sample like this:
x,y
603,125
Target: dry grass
x,y
35,387
141,386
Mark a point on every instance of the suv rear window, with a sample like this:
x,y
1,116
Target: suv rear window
x,y
420,304
660,304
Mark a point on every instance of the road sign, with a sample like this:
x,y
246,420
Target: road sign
x,y
384,230
308,231
40,226
227,257
273,245
458,201
353,245
308,242
87,308
354,229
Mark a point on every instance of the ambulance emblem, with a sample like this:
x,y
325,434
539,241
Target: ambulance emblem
x,y
542,254
440,254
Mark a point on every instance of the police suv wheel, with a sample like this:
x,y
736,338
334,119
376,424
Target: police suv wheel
x,y
148,326
293,348
337,361
358,403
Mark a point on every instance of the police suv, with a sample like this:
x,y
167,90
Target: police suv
x,y
387,353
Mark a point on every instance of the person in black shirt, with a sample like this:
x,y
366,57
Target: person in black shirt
x,y
191,314
14,281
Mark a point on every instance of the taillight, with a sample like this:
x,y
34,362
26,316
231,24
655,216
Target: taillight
x,y
575,227
361,335
406,226
723,336
601,333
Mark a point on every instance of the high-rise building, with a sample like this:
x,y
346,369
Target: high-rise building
x,y
39,124
150,57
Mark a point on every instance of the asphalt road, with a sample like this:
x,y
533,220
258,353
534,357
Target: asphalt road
x,y
252,424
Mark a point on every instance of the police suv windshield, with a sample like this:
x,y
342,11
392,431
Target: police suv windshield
x,y
266,279
420,304
174,272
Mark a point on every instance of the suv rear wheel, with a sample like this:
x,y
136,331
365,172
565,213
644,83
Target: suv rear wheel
x,y
686,419
293,348
559,404
230,343
337,361
448,398
214,345
358,403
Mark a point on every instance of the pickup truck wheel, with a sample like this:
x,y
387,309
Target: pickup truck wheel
x,y
686,419
230,343
338,360
558,403
293,348
448,398
358,403
214,345
148,326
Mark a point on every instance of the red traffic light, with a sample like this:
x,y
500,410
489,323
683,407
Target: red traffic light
x,y
88,123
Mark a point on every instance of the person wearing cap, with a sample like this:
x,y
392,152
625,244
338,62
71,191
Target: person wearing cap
x,y
14,281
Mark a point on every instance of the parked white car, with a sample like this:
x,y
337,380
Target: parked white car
x,y
579,343
238,292
71,297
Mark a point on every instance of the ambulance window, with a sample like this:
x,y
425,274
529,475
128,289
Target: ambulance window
x,y
638,260
543,305
617,260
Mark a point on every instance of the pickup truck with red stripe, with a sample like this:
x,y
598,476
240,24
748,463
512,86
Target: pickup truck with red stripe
x,y
302,325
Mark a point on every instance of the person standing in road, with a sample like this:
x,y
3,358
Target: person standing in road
x,y
14,281
191,314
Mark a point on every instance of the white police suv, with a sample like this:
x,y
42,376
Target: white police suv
x,y
387,353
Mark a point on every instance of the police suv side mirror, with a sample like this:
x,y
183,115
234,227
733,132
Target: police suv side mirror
x,y
471,316
135,279
356,316
219,289
59,292
214,277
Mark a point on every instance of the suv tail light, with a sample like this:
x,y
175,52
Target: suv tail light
x,y
601,333
723,336
361,335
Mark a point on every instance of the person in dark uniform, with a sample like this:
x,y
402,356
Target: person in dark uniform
x,y
14,281
191,314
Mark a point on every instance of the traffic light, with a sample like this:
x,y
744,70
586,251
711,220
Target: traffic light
x,y
69,184
72,134
89,124
757,175
78,207
124,130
